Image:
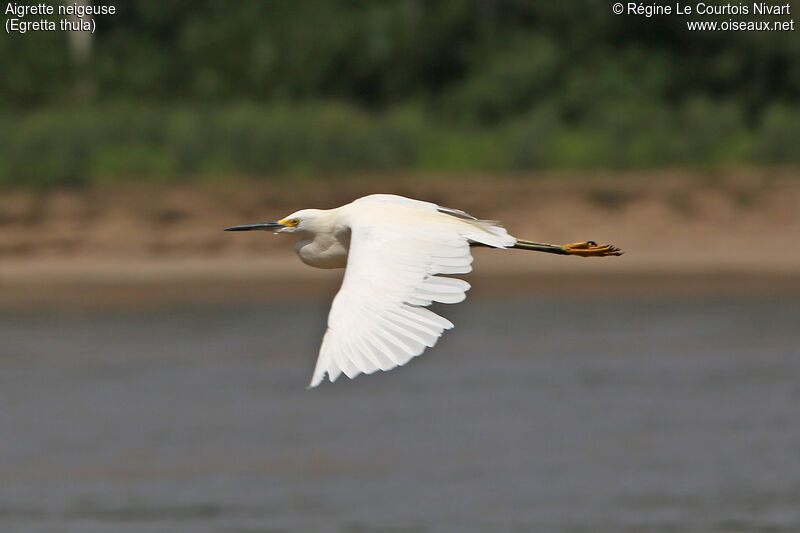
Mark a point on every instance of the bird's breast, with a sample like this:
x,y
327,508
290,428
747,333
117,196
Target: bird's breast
x,y
322,253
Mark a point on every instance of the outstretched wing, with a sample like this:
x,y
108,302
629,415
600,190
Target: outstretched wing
x,y
402,200
378,319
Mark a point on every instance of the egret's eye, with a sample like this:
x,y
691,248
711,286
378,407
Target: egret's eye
x,y
289,222
294,222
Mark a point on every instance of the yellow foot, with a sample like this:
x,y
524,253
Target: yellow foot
x,y
591,249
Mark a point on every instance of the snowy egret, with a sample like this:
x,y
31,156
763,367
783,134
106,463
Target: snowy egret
x,y
393,248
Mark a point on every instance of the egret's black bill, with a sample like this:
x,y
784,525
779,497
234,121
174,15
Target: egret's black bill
x,y
264,226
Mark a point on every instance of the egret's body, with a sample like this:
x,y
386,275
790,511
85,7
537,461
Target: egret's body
x,y
393,248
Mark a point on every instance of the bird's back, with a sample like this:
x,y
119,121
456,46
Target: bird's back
x,y
398,211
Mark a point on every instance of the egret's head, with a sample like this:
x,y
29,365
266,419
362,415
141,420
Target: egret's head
x,y
299,221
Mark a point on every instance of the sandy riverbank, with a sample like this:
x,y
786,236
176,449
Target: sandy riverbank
x,y
145,244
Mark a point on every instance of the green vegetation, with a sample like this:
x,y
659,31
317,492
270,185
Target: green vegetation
x,y
203,88
90,144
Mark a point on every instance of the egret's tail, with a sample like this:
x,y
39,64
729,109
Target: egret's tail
x,y
585,249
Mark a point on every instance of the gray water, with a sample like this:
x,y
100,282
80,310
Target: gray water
x,y
630,415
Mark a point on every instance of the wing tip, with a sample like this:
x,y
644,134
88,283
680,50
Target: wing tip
x,y
315,381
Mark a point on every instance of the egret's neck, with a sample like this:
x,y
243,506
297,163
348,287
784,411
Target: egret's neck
x,y
324,250
324,244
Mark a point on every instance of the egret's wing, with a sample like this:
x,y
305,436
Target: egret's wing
x,y
378,319
402,200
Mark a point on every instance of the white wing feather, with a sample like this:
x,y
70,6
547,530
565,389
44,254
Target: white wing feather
x,y
402,200
378,320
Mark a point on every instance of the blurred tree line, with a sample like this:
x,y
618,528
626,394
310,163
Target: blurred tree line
x,y
201,87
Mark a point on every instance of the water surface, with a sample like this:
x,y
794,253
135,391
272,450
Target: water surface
x,y
630,415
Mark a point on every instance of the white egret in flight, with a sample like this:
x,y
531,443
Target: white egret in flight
x,y
393,248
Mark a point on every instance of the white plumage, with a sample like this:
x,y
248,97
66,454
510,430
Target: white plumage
x,y
378,319
397,252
